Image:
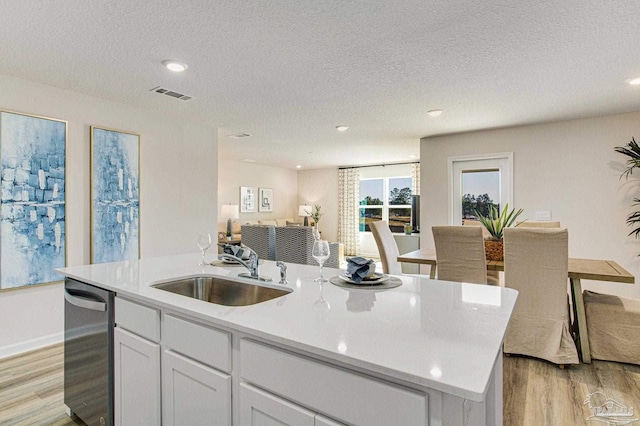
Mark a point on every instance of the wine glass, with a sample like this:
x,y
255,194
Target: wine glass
x,y
320,253
204,242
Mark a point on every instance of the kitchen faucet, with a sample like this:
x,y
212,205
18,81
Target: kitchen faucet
x,y
252,265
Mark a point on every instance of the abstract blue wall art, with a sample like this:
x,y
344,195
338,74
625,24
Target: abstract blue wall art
x,y
32,206
115,195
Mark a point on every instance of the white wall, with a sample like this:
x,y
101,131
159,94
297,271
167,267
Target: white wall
x,y
320,186
177,169
569,168
284,182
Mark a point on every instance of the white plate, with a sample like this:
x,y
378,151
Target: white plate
x,y
380,279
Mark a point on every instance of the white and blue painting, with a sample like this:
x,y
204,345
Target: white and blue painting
x,y
33,212
115,187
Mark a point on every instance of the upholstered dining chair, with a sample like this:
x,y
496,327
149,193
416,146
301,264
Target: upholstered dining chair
x,y
536,264
493,277
460,254
387,247
541,224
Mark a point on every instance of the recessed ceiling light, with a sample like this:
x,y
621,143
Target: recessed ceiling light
x,y
341,128
635,81
434,113
240,135
298,166
175,66
249,160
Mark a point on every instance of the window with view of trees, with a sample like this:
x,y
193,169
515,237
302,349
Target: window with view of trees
x,y
480,189
385,199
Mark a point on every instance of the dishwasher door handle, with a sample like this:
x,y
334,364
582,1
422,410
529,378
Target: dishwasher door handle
x,y
81,302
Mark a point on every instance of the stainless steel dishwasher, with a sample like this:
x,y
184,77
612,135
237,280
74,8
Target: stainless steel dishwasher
x,y
88,353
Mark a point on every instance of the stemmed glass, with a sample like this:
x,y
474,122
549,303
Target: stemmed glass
x,y
204,242
320,253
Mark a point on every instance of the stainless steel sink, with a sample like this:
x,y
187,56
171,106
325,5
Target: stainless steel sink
x,y
222,291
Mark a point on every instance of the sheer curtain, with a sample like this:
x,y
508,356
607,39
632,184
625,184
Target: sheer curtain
x,y
415,179
348,210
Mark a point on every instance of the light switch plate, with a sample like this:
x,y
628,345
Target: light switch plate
x,y
543,215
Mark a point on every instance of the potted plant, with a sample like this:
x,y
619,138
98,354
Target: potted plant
x,y
495,224
315,216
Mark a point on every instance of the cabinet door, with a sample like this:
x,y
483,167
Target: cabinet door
x,y
323,421
136,380
193,393
259,408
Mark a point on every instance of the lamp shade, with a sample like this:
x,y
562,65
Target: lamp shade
x,y
230,211
304,210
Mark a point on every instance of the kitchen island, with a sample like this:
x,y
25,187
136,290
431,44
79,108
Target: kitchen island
x,y
426,353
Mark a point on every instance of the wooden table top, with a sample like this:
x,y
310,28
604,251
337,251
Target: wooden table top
x,y
586,269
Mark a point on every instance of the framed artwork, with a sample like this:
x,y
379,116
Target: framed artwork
x,y
33,237
115,195
265,203
248,199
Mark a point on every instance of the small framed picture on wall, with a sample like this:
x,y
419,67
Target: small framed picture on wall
x,y
265,203
248,199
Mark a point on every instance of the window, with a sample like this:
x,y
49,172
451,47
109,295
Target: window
x,y
475,182
385,199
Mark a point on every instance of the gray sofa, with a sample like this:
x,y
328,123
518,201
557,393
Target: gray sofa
x,y
291,244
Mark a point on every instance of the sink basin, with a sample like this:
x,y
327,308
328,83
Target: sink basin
x,y
222,291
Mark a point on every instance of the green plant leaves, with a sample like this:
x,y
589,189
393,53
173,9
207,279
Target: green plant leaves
x,y
496,223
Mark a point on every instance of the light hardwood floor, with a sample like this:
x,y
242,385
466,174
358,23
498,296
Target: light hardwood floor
x,y
535,392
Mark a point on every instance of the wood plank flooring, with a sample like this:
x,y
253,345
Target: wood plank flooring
x,y
535,392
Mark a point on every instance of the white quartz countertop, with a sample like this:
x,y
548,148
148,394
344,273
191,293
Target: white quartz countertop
x,y
436,334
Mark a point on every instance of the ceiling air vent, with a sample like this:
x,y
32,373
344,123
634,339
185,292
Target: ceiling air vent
x,y
171,93
240,135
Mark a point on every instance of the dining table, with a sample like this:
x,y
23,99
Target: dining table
x,y
579,269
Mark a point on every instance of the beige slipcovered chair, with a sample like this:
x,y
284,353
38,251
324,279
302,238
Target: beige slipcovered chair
x,y
613,326
460,254
542,224
387,247
493,277
536,264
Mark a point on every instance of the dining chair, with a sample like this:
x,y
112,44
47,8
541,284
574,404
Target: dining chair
x,y
493,277
536,264
541,224
460,254
387,247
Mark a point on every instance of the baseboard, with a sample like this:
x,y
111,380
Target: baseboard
x,y
30,345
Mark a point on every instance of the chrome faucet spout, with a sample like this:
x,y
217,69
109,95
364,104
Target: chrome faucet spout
x,y
251,264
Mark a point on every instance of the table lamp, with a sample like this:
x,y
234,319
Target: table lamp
x,y
305,210
230,211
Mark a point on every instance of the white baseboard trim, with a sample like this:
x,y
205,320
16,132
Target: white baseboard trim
x,y
30,345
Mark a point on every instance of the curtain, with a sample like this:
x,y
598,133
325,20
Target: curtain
x,y
348,210
415,179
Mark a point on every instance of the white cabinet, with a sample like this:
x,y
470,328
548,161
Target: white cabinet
x,y
193,394
137,380
344,395
259,408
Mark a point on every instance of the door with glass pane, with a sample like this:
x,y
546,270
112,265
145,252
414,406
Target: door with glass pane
x,y
477,184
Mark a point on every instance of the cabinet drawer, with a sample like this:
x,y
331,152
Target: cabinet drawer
x,y
205,344
344,395
139,319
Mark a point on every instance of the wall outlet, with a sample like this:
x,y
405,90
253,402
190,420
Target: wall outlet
x,y
544,215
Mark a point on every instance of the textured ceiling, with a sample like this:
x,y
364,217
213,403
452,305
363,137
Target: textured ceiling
x,y
288,71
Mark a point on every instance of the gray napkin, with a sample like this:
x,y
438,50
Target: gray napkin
x,y
236,250
358,268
